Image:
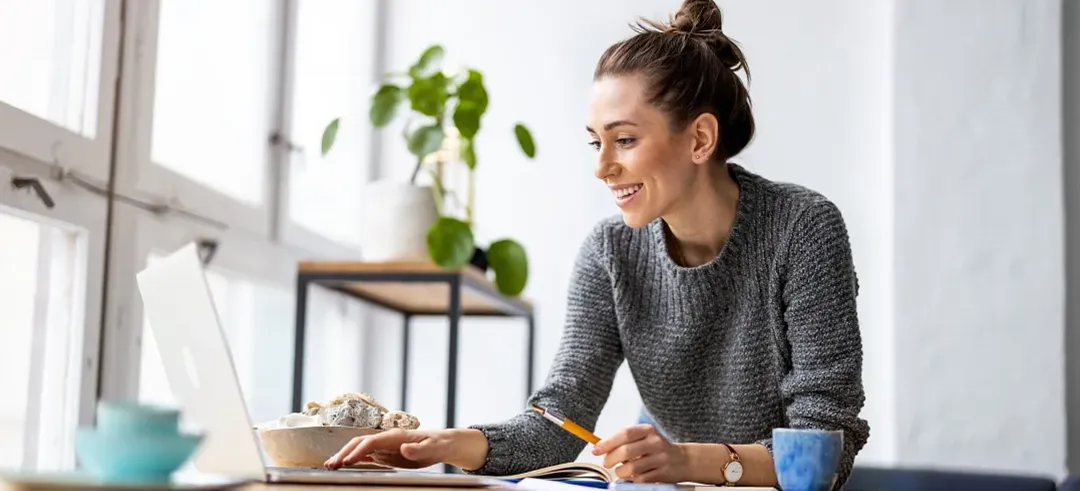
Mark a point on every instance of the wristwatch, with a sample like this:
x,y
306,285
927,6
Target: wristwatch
x,y
733,469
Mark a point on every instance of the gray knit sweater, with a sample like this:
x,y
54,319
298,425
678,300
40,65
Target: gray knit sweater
x,y
764,336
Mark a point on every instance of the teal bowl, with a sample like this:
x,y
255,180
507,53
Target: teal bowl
x,y
133,458
133,417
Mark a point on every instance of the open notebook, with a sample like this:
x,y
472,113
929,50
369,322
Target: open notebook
x,y
570,471
590,471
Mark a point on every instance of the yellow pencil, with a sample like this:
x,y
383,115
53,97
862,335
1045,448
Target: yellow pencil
x,y
567,425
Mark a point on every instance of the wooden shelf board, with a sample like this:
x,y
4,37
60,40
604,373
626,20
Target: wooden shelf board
x,y
416,297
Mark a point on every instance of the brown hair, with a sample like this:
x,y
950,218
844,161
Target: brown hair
x,y
690,65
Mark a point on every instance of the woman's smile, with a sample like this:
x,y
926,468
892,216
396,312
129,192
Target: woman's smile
x,y
625,193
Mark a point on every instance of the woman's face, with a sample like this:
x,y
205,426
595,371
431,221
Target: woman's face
x,y
646,165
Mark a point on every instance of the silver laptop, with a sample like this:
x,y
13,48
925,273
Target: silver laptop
x,y
200,371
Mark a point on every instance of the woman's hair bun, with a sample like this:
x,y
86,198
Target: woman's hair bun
x,y
697,17
703,19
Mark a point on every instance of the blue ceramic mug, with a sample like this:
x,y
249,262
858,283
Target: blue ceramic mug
x,y
806,459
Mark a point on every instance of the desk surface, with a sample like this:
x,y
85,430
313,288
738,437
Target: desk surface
x,y
339,487
408,294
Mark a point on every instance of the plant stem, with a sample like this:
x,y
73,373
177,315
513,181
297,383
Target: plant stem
x,y
416,171
470,198
437,191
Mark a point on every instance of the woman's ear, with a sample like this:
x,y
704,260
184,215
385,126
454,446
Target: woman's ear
x,y
704,136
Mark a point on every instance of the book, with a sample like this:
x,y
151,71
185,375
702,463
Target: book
x,y
569,471
595,475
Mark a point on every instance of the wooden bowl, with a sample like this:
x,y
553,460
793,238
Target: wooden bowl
x,y
308,446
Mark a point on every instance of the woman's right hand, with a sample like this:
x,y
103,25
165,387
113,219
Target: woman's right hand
x,y
414,449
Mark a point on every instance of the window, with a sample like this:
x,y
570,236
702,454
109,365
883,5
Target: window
x,y
214,93
42,286
55,48
332,78
204,86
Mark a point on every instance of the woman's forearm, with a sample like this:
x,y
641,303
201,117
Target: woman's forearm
x,y
706,464
469,448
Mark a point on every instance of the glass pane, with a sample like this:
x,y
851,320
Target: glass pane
x,y
55,48
41,290
333,78
213,92
257,320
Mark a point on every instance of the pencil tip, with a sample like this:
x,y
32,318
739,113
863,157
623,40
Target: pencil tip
x,y
537,408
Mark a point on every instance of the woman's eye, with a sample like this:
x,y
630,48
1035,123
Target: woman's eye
x,y
625,141
595,145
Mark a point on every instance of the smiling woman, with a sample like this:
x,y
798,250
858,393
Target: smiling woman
x,y
731,297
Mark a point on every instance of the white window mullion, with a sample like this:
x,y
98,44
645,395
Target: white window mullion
x,y
283,146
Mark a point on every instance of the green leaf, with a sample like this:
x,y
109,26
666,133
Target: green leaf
x,y
467,119
473,91
468,153
384,104
329,135
450,242
525,139
429,95
508,260
425,140
430,62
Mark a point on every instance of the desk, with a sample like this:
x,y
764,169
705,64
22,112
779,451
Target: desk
x,y
411,289
339,487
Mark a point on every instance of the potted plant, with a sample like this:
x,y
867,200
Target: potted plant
x,y
444,113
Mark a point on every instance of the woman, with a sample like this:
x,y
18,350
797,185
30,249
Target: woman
x,y
731,297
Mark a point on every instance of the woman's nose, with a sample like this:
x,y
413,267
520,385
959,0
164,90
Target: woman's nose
x,y
604,166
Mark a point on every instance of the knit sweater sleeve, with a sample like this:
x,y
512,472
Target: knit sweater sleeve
x,y
823,385
579,381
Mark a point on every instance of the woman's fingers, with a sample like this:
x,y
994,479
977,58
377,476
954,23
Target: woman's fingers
x,y
643,469
622,437
336,461
381,442
650,443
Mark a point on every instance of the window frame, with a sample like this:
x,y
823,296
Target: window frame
x,y
84,213
48,143
259,242
138,174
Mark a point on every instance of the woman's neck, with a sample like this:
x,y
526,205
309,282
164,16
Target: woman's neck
x,y
701,224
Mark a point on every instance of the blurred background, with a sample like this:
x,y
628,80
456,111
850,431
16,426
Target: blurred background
x,y
942,129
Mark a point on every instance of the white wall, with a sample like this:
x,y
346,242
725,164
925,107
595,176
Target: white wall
x,y
917,118
979,231
823,113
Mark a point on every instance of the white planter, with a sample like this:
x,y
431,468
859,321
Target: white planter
x,y
395,218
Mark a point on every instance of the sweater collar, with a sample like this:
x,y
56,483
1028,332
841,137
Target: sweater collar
x,y
748,192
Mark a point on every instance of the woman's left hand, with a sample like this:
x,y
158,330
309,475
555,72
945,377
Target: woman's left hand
x,y
644,455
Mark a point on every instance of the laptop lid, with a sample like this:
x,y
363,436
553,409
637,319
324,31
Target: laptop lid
x,y
198,365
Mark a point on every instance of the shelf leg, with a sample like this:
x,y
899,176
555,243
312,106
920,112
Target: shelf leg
x,y
299,340
405,362
452,366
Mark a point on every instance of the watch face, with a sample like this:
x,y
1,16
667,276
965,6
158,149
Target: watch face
x,y
733,471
